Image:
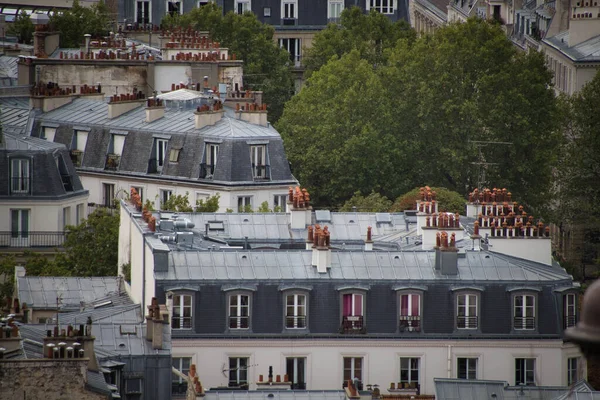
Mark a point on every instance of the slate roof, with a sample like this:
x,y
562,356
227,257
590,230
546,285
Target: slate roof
x,y
461,389
40,292
438,7
586,51
477,267
276,395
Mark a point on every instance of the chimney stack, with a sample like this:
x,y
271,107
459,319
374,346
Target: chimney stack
x,y
369,241
321,255
157,318
155,109
426,205
446,254
253,113
72,343
299,208
206,115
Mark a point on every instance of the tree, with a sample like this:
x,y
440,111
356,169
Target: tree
x,y
264,207
430,112
266,66
178,203
22,28
448,201
374,202
77,21
370,34
211,204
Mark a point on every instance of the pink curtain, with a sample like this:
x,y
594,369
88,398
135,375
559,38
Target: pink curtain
x,y
404,305
358,304
347,305
415,304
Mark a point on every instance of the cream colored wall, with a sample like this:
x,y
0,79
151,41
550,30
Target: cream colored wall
x,y
578,75
228,197
149,278
137,260
381,359
44,216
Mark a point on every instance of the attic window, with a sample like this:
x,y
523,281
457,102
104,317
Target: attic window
x,y
174,155
323,215
216,226
127,330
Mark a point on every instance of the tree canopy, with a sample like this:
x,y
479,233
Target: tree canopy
x,y
22,28
448,201
370,34
439,110
77,21
374,202
266,66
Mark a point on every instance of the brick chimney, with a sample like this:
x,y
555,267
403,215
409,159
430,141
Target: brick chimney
x,y
437,223
120,104
426,205
71,342
298,205
446,254
321,250
208,115
10,337
155,109
369,241
253,113
157,318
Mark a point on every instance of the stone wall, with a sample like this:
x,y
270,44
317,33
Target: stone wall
x,y
45,379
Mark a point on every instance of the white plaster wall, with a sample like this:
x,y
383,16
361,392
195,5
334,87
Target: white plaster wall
x,y
125,222
149,278
136,264
324,368
44,216
167,74
533,249
228,197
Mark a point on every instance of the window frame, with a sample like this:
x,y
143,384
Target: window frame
x,y
568,319
419,325
286,44
161,197
573,372
176,379
277,198
410,369
523,327
167,12
182,306
296,295
330,3
237,294
391,6
352,369
136,5
236,369
48,133
105,200
259,152
297,384
245,8
20,175
468,361
289,9
477,297
353,325
22,220
241,209
516,370
158,145
139,190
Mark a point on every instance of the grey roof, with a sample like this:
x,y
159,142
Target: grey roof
x,y
40,292
124,314
586,51
15,117
437,7
352,265
461,389
8,70
20,142
95,113
276,394
96,382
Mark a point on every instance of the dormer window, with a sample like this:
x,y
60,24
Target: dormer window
x,y
174,155
352,313
207,168
182,311
289,9
570,309
20,174
258,157
115,150
524,312
467,311
48,133
241,6
78,144
158,155
382,6
410,312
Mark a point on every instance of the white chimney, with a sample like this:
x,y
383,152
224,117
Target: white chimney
x,y
155,109
369,241
321,255
299,208
253,113
207,116
529,243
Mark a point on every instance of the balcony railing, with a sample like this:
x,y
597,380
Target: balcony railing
x,y
410,323
112,162
261,171
352,324
20,185
207,171
295,322
32,239
238,322
524,322
463,322
181,322
570,320
76,157
289,21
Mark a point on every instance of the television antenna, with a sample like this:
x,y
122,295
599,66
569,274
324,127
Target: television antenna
x,y
482,164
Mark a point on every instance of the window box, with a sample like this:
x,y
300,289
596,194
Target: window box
x,y
76,157
112,162
207,171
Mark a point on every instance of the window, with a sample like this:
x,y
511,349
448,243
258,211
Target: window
x,y
207,169
244,203
174,155
466,368
19,223
165,195
524,312
20,176
334,10
466,313
174,7
79,214
241,6
524,371
238,371
79,140
160,151
48,133
410,312
409,371
572,370
66,217
295,369
570,309
288,9
352,312
182,364
259,161
140,191
239,311
133,386
116,144
353,368
280,203
202,3
383,6
295,314
182,312
293,47
108,194
267,12
142,13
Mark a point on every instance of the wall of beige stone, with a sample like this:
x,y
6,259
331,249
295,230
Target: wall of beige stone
x,y
45,379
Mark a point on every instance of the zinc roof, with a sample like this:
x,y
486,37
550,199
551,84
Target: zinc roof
x,y
586,51
277,395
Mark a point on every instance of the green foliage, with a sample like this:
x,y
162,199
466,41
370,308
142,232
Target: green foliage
x,y
22,28
370,34
266,66
7,276
372,203
148,205
229,210
416,118
177,202
245,209
211,204
126,269
448,201
77,21
264,207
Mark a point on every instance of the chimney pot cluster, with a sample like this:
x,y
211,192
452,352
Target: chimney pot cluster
x,y
53,89
156,318
321,237
426,194
490,196
504,222
427,207
441,241
139,95
300,198
443,220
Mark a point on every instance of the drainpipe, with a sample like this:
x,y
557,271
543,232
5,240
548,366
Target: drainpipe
x,y
449,361
143,273
87,43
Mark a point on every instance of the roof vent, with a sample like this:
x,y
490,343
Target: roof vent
x,y
185,238
383,218
216,226
323,215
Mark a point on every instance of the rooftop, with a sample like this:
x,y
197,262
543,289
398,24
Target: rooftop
x,y
586,51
